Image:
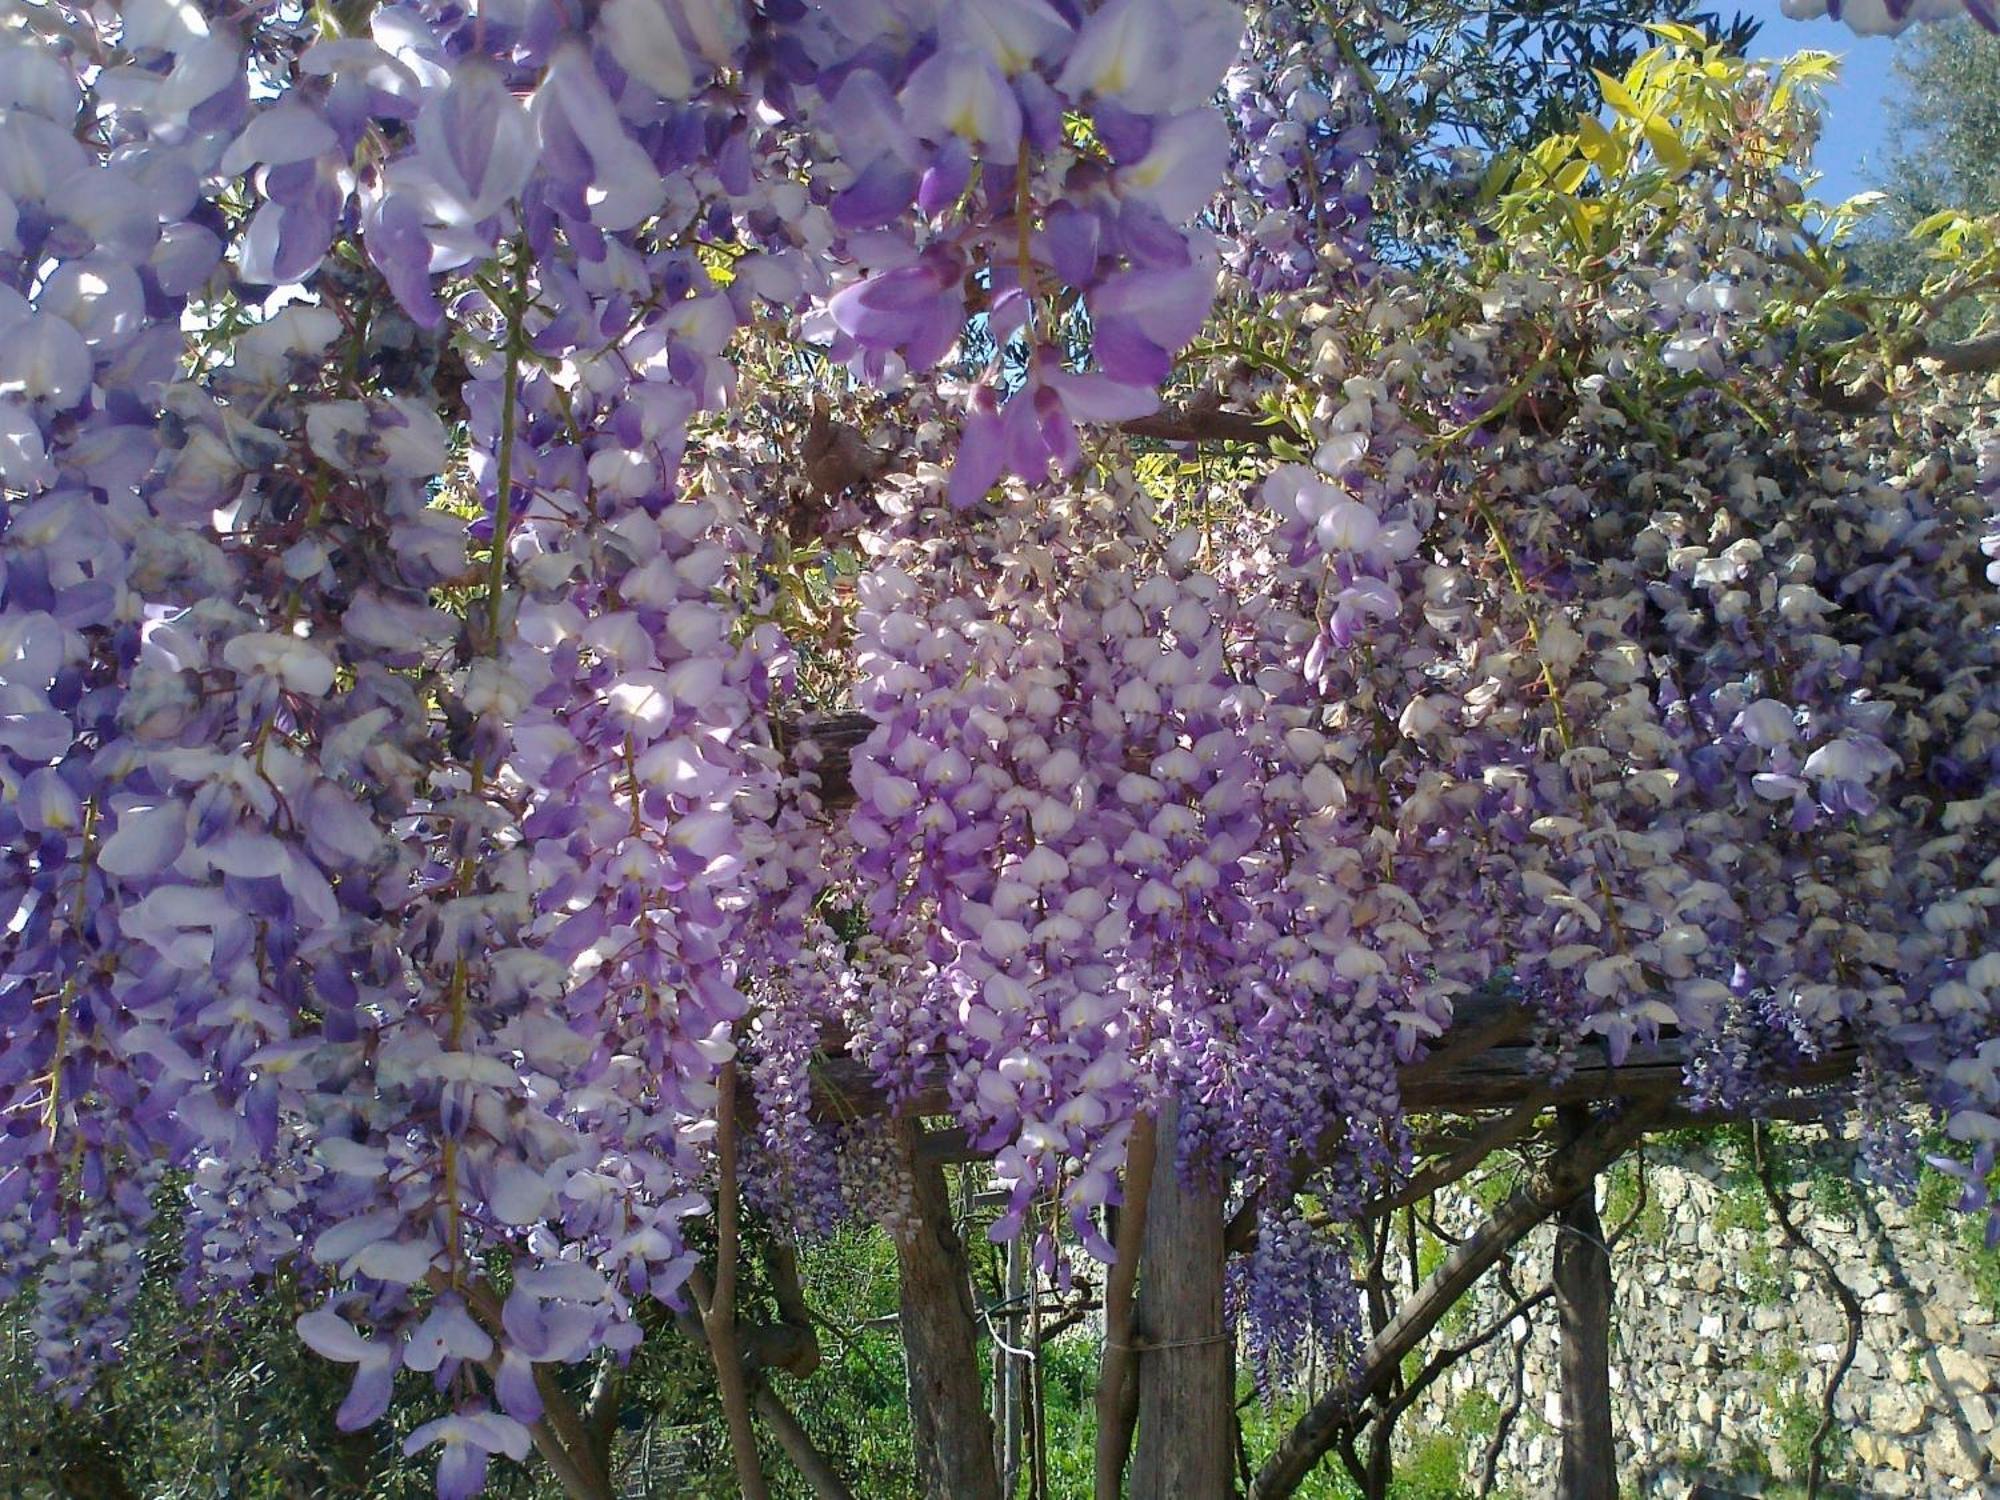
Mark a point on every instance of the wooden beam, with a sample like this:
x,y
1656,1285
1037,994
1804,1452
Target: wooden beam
x,y
1501,1077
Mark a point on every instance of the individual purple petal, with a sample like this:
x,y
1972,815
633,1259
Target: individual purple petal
x,y
610,177
476,142
1164,306
399,246
1068,241
447,1332
288,131
286,241
946,177
144,841
98,297
44,359
865,119
1039,434
1180,173
640,35
331,1336
879,196
1126,355
982,452
1008,314
367,1399
514,1383
1153,56
1013,33
1097,397
184,258
46,803
1126,134
24,459
960,92
517,1193
461,1471
915,309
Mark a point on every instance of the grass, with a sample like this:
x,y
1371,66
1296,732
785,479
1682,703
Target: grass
x,y
1621,1201
1936,1207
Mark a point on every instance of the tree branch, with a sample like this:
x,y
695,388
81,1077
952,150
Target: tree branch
x,y
1506,1130
1445,1358
1850,1306
1196,424
718,1307
838,462
1489,1463
1972,357
799,1447
1117,1389
1549,1189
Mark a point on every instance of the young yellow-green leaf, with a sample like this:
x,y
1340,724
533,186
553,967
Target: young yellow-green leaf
x,y
1806,70
1810,67
1618,96
720,266
1498,175
1937,223
1667,145
1570,178
1577,214
1603,149
1691,37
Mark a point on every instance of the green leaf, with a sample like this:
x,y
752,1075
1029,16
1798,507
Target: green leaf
x,y
1691,37
1603,149
1667,145
1937,222
1498,175
1618,96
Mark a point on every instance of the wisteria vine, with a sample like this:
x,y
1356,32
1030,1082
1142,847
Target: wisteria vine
x,y
402,823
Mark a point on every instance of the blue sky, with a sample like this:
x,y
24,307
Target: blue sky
x,y
1854,145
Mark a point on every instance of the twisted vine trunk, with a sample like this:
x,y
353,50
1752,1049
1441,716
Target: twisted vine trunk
x,y
1117,1386
951,1429
1185,1440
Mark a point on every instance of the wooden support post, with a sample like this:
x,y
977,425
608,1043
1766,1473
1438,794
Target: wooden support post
x,y
1185,1406
1012,1392
952,1431
1582,1280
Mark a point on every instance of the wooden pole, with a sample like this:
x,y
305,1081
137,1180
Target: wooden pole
x,y
1185,1406
1582,1280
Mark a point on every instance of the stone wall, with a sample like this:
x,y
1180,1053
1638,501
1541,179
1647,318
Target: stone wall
x,y
1723,1336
